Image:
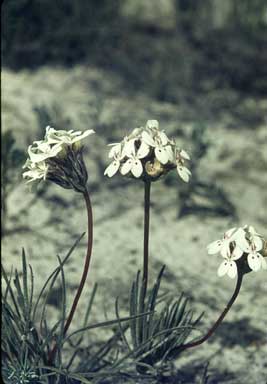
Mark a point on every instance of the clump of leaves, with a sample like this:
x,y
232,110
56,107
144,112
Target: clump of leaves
x,y
156,336
27,338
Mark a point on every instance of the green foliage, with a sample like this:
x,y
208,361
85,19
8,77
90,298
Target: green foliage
x,y
26,345
28,338
156,336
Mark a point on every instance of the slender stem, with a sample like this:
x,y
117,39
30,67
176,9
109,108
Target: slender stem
x,y
146,229
220,318
85,269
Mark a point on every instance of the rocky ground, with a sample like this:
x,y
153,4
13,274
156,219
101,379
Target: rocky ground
x,y
236,162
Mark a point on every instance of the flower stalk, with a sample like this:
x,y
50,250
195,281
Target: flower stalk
x,y
147,187
221,317
85,270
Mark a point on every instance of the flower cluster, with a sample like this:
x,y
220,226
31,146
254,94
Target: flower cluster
x,y
44,153
241,248
147,153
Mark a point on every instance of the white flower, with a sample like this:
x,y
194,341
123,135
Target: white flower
x,y
133,164
115,150
184,173
229,267
114,166
36,171
54,145
179,157
41,151
152,125
256,261
160,141
154,147
184,155
254,237
124,148
127,146
70,137
236,243
232,237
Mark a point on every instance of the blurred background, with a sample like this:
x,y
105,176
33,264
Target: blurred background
x,y
200,68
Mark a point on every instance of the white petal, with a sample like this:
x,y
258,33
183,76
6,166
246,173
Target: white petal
x,y
112,168
143,150
42,146
183,172
41,156
184,155
254,261
136,133
115,150
258,243
214,247
229,233
237,253
148,139
225,248
152,124
128,148
251,230
162,155
232,270
223,268
80,135
163,137
243,244
127,167
170,152
113,144
137,168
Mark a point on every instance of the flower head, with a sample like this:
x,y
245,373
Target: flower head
x,y
58,158
147,153
242,248
70,137
36,171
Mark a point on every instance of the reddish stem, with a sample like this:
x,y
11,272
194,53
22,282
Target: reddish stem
x,y
85,270
221,317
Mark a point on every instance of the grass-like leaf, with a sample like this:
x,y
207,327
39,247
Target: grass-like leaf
x,y
161,329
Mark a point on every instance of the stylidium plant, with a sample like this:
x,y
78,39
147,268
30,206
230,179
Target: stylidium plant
x,y
59,158
147,154
241,249
244,250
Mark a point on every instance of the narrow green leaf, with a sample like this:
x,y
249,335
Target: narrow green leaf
x,y
11,291
120,325
54,273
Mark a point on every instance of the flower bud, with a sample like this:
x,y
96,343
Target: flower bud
x,y
154,168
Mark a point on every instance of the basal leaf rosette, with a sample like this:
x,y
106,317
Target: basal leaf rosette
x,y
58,158
147,153
243,250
